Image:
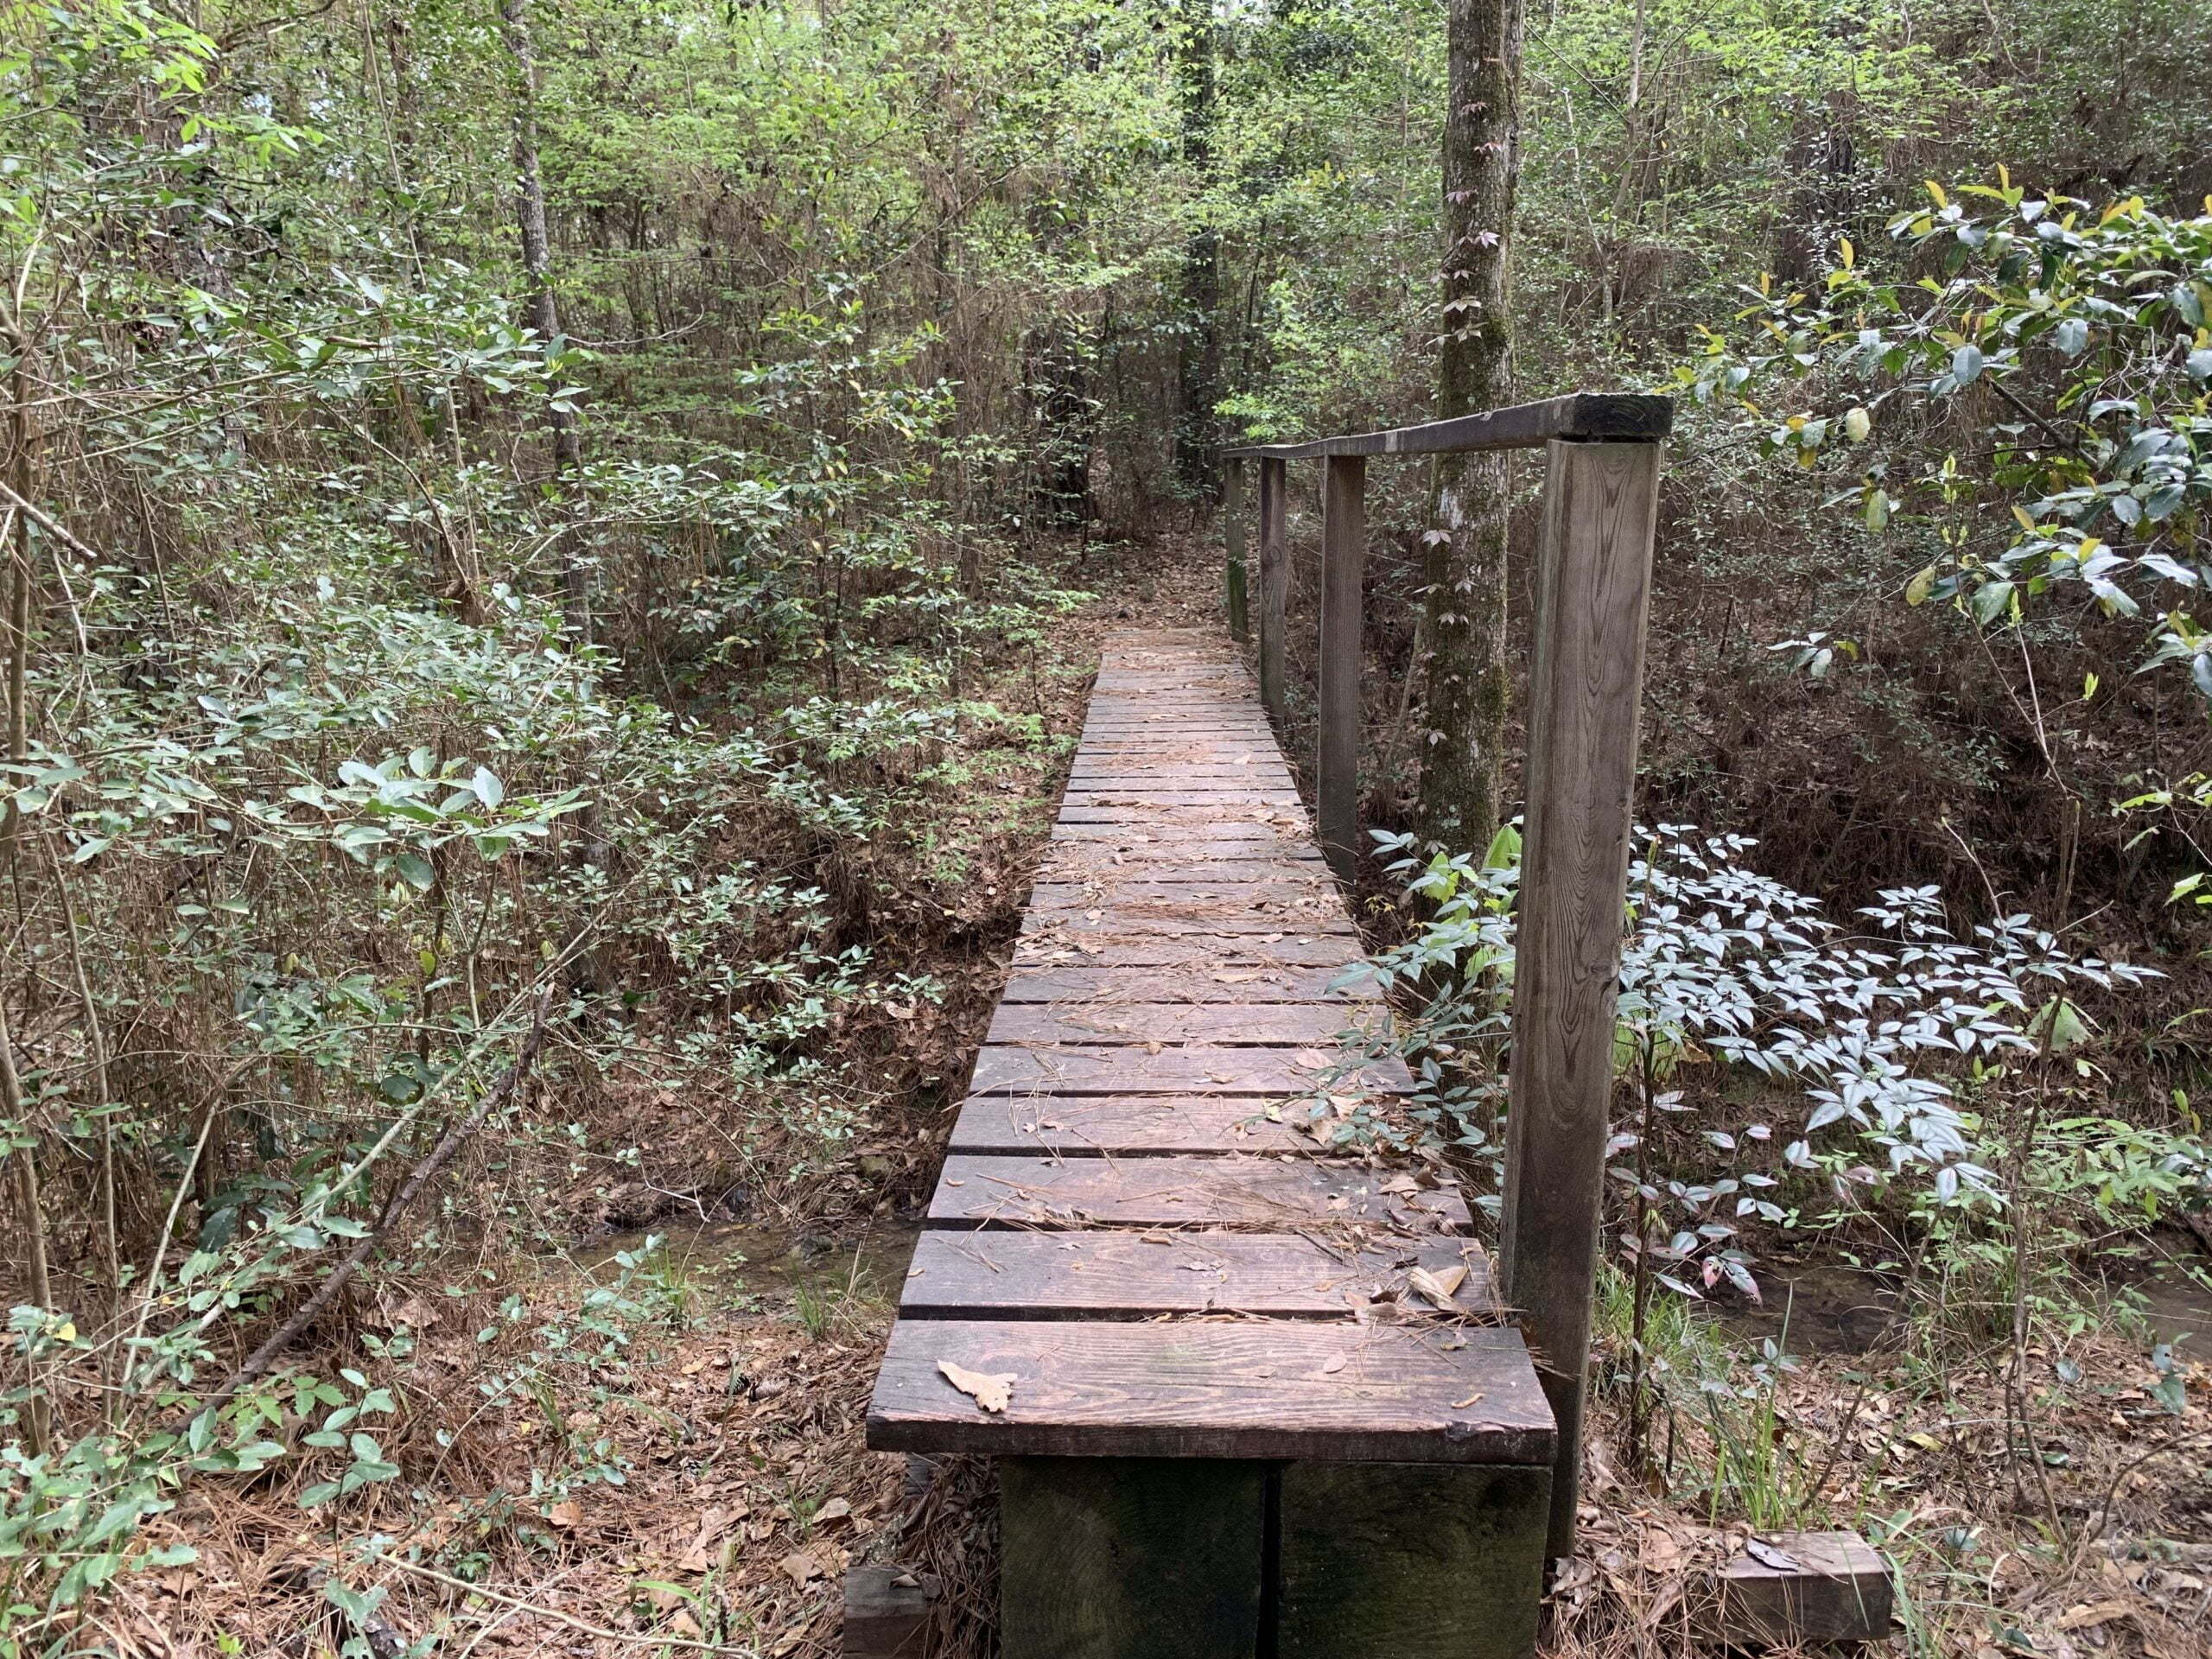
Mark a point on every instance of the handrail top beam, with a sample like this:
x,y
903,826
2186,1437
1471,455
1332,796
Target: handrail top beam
x,y
1589,415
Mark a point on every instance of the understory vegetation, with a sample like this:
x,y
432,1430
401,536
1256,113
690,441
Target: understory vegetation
x,y
553,553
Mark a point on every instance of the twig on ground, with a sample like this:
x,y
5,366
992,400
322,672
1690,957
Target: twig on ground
x,y
439,1156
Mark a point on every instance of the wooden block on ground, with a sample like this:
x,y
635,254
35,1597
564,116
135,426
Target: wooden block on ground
x,y
1216,1389
886,1613
1107,1275
1130,1558
1392,1560
1255,1194
1786,1589
1193,1069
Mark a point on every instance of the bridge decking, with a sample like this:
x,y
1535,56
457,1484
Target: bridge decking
x,y
1140,1140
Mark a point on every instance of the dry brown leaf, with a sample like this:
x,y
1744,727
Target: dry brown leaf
x,y
567,1514
2093,1613
990,1392
1437,1284
800,1568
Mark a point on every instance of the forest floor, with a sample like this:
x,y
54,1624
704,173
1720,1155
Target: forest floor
x,y
702,1485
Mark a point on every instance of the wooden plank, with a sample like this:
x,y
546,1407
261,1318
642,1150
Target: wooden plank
x,y
1218,799
1060,866
1130,1558
1193,1069
1163,837
1255,1194
1397,1560
1232,952
1579,417
1128,1125
1134,887
1274,580
1209,980
1594,583
1014,1275
1182,774
1081,924
1343,557
1216,1389
1138,1023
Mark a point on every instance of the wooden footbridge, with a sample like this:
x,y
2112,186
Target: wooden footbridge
x,y
1248,1384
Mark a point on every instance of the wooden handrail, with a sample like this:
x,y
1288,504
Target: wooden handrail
x,y
1580,416
1593,582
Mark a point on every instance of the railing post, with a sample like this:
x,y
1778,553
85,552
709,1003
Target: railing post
x,y
1274,577
1344,556
1232,537
1593,583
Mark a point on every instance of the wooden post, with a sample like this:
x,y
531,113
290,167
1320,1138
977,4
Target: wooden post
x,y
1274,577
1593,582
1344,556
1232,537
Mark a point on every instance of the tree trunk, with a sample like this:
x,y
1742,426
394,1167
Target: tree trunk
x,y
1197,381
544,310
1464,556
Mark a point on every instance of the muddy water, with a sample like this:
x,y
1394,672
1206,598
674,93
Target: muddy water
x,y
775,1263
1843,1310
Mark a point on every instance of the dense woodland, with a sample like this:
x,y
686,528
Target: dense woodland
x,y
554,547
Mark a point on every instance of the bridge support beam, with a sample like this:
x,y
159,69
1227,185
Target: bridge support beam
x,y
1275,578
1585,688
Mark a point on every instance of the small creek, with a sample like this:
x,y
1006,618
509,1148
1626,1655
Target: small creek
x,y
1835,1309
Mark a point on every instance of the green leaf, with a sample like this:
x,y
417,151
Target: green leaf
x,y
1966,365
416,870
1991,601
1916,591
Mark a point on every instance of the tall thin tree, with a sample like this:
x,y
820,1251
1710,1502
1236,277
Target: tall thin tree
x,y
544,308
1197,429
1464,558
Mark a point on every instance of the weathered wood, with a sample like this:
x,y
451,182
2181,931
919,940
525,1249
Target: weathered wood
x,y
1255,1194
1600,504
1128,1125
886,1613
1232,536
1802,1588
1284,836
1080,930
1394,1560
1141,1275
1203,982
1229,950
1134,795
1581,416
1193,1069
1180,1021
1274,580
1216,1389
1064,865
1130,1558
1343,557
